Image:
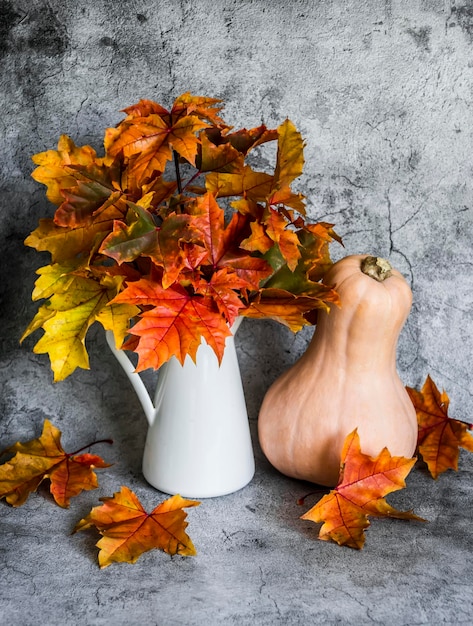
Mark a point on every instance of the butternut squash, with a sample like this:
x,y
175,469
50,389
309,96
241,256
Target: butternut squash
x,y
346,379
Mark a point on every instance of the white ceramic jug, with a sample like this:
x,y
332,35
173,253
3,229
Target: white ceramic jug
x,y
198,442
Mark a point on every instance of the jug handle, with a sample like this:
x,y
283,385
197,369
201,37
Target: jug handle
x,y
133,377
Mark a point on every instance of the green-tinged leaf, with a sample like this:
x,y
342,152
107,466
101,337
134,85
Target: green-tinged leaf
x,y
75,302
129,240
278,229
81,202
163,244
311,267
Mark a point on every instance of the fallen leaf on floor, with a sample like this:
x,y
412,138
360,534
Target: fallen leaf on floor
x,y
128,531
440,436
363,483
69,473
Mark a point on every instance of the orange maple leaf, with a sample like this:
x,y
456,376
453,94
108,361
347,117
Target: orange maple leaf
x,y
219,240
202,106
128,531
222,288
245,140
175,325
440,436
258,241
69,473
147,142
144,108
363,483
288,308
276,228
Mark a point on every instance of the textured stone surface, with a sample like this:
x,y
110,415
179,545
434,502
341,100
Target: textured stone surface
x,y
382,92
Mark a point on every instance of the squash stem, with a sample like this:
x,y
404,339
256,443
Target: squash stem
x,y
376,267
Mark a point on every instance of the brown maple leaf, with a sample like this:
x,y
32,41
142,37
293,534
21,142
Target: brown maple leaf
x,y
363,483
245,140
440,436
128,531
218,158
69,473
247,182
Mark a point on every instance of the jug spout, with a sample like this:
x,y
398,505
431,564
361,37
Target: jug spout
x,y
133,377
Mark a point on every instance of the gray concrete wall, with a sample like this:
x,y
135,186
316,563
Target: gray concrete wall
x,y
381,91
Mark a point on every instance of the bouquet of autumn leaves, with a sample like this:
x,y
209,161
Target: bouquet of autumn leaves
x,y
172,234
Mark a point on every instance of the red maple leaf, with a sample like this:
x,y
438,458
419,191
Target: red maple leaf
x,y
175,324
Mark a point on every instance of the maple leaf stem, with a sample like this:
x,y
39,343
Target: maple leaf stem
x,y
110,441
178,171
192,178
469,425
301,500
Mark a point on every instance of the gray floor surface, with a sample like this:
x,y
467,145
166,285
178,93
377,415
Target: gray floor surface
x,y
257,562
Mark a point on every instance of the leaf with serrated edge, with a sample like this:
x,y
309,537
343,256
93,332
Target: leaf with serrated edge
x,y
290,156
53,171
253,185
288,308
75,302
43,458
175,325
128,531
440,437
363,483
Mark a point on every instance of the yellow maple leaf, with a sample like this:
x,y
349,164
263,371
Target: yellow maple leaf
x,y
248,183
290,156
52,166
75,302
